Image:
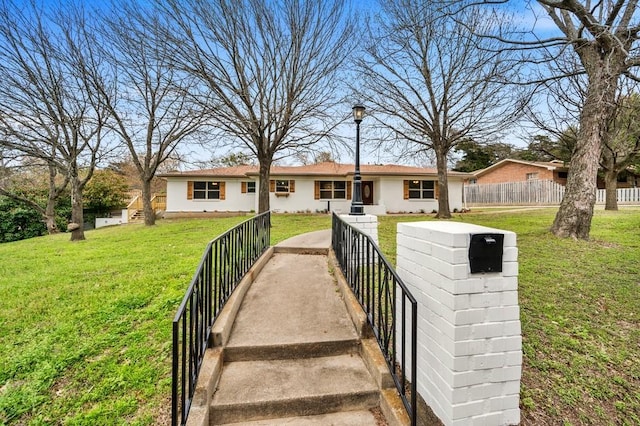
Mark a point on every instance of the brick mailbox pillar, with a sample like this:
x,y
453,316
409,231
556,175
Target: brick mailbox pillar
x,y
469,337
366,223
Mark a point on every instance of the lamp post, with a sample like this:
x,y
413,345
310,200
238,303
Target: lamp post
x,y
357,208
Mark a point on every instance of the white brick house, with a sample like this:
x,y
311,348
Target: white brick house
x,y
318,187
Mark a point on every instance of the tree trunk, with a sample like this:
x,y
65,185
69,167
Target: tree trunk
x,y
147,207
576,210
263,193
443,186
611,190
77,215
49,215
611,170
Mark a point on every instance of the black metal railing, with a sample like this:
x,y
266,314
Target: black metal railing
x,y
376,284
225,261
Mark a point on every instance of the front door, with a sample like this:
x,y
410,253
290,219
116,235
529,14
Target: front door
x,y
367,192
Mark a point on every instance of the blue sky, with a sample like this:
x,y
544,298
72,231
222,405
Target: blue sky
x,y
528,14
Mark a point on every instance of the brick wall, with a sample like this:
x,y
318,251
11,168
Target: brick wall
x,y
561,180
366,223
469,336
514,172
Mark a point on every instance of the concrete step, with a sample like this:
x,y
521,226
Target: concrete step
x,y
291,350
344,418
258,390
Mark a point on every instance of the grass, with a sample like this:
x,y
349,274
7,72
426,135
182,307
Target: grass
x,y
85,327
580,314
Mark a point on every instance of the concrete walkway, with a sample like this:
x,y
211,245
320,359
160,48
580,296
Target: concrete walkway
x,y
312,242
292,305
296,353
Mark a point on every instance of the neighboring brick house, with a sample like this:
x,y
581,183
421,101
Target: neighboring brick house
x,y
508,170
520,171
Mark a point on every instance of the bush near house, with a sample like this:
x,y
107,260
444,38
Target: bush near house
x,y
106,191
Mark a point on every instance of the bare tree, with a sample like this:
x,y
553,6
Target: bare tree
x,y
604,37
621,146
565,97
269,70
559,96
231,159
24,128
434,82
47,113
324,157
152,110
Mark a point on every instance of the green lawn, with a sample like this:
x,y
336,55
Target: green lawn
x,y
580,313
85,327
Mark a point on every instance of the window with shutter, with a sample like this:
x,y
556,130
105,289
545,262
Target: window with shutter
x,y
282,186
203,190
419,189
332,190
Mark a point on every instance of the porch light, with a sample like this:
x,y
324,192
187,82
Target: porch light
x,y
358,113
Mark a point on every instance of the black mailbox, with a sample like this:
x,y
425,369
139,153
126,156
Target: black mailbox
x,y
485,252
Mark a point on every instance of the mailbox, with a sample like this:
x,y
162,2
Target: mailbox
x,y
485,253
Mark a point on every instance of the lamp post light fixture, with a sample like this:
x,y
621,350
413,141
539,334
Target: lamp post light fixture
x,y
357,207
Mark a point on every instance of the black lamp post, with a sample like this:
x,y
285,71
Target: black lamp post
x,y
357,208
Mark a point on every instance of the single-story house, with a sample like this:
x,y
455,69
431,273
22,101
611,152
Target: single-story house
x,y
318,187
509,170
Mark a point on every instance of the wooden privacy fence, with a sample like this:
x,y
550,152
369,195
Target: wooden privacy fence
x,y
534,192
528,192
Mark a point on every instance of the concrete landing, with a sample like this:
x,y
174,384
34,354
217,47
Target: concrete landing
x,y
293,309
293,349
312,242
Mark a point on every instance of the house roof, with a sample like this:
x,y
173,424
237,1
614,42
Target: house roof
x,y
320,169
236,171
549,165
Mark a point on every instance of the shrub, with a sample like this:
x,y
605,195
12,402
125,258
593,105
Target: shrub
x,y
18,221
